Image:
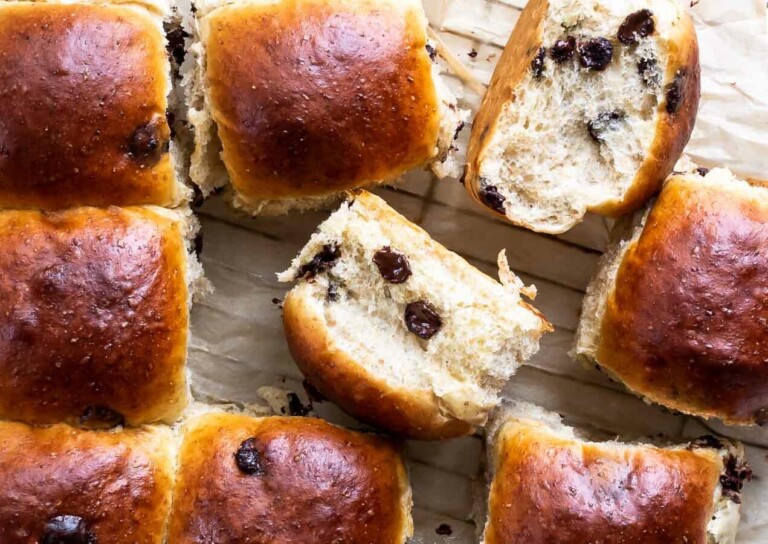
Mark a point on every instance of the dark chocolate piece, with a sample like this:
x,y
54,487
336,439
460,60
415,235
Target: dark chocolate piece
x,y
248,459
596,54
67,530
636,26
422,319
393,265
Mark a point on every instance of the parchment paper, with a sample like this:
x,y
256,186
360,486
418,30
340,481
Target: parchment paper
x,y
238,347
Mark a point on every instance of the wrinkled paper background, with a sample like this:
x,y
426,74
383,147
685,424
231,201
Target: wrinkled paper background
x,y
238,346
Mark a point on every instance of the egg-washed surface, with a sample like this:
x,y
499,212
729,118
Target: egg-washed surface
x,y
83,107
95,316
66,486
326,96
550,486
685,322
281,479
238,343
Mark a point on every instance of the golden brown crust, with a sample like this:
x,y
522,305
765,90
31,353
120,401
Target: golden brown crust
x,y
514,64
672,130
684,324
554,490
95,314
83,101
326,96
119,483
317,483
404,412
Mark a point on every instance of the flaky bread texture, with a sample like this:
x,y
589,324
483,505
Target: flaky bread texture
x,y
373,111
117,484
347,331
677,306
546,150
310,482
551,485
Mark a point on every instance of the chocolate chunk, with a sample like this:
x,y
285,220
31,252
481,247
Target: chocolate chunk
x,y
432,52
198,243
175,35
67,530
675,93
147,143
459,128
393,265
563,50
422,319
636,26
444,529
647,69
595,54
734,477
296,407
491,197
472,54
248,459
321,262
101,417
702,171
602,124
537,64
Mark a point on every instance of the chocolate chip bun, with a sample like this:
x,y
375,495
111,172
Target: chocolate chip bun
x,y
678,306
550,485
399,331
61,485
95,306
328,95
287,479
83,99
589,109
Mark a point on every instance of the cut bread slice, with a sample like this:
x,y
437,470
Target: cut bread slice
x,y
399,331
551,484
589,109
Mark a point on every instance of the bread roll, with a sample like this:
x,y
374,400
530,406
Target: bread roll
x,y
287,479
66,486
83,98
399,331
589,109
678,306
548,485
95,307
327,95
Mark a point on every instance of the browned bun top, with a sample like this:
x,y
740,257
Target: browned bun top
x,y
90,487
551,489
95,316
83,104
685,324
327,95
287,479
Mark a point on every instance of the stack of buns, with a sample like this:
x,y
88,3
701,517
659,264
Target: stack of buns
x,y
589,110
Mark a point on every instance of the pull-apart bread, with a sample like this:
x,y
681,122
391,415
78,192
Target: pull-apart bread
x,y
678,308
94,305
287,479
327,95
549,485
589,109
83,99
66,486
399,331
